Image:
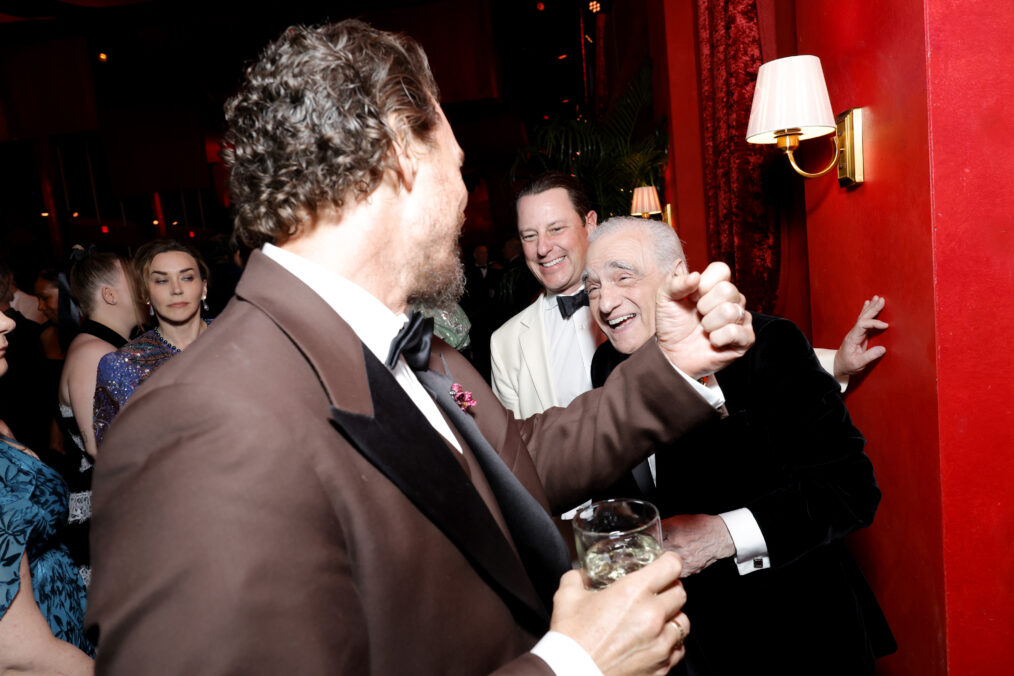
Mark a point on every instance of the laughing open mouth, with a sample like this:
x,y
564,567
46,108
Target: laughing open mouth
x,y
622,320
552,262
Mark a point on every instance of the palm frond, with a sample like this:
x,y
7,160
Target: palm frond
x,y
605,155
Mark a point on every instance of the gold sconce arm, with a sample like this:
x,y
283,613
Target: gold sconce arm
x,y
790,103
788,140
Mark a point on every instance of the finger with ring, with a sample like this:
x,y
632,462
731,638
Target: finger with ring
x,y
726,314
679,641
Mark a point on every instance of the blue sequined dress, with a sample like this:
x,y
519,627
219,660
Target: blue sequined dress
x,y
33,510
122,371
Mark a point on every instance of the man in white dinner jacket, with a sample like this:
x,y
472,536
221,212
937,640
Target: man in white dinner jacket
x,y
542,356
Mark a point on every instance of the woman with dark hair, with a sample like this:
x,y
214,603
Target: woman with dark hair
x,y
173,280
102,286
42,598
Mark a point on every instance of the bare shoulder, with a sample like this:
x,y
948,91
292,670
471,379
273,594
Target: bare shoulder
x,y
89,347
85,351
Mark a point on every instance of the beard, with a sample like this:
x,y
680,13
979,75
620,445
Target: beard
x,y
439,279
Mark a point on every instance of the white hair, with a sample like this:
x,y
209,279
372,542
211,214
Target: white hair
x,y
664,243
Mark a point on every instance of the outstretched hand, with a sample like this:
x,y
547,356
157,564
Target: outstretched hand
x,y
700,320
853,356
628,627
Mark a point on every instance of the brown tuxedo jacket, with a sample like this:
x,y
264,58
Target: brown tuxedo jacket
x,y
242,525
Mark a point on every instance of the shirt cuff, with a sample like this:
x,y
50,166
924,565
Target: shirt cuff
x,y
564,656
826,359
567,516
751,549
711,392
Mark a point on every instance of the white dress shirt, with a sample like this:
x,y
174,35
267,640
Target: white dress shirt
x,y
570,368
371,320
376,325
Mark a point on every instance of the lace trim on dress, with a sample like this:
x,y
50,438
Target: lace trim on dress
x,y
79,507
68,417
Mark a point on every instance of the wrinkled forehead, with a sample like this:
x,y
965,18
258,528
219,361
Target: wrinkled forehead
x,y
624,250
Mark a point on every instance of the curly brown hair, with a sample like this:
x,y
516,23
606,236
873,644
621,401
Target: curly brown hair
x,y
314,122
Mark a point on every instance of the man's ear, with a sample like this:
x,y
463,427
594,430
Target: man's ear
x,y
108,295
591,219
680,267
406,161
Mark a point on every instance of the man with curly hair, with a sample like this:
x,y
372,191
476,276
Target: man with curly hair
x,y
299,493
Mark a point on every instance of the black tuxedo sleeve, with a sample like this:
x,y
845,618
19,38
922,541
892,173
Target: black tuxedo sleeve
x,y
822,483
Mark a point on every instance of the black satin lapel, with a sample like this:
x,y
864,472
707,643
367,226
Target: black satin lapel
x,y
537,539
402,444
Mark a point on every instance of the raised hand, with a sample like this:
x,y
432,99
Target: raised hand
x,y
634,626
853,356
700,320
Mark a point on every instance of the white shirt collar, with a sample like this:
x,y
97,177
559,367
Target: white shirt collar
x,y
371,320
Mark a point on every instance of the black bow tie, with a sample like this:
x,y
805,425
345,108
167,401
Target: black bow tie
x,y
570,304
413,342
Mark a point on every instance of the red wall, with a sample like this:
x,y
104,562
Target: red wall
x,y
878,239
971,85
684,187
930,230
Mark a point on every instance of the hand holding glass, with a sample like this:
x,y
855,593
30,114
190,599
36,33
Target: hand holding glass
x,y
616,537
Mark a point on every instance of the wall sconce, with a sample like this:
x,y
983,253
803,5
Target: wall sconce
x,y
790,104
646,202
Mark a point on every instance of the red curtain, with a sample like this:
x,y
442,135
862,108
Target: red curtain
x,y
741,231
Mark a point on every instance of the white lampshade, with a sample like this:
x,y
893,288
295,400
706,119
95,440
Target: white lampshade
x,y
790,94
645,201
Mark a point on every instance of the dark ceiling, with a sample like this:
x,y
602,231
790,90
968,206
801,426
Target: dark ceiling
x,y
194,52
145,119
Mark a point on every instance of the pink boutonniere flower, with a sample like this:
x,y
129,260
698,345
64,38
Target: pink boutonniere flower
x,y
462,397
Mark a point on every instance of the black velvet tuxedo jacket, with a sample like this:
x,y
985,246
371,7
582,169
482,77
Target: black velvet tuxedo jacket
x,y
270,502
787,451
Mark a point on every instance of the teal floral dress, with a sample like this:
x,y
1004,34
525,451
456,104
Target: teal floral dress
x,y
33,509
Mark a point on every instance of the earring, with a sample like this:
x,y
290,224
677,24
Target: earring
x,y
151,310
204,304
